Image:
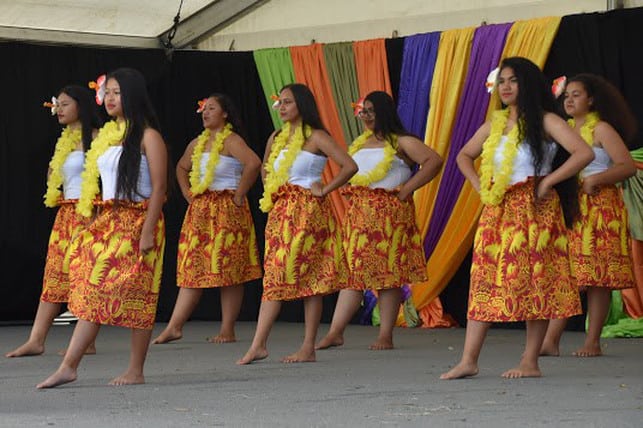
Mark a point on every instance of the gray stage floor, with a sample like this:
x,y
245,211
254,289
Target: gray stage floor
x,y
194,383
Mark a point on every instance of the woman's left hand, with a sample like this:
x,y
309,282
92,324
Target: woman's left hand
x,y
146,243
237,200
544,188
317,189
402,194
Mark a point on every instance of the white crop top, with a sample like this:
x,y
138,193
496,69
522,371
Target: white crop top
x,y
108,167
227,173
305,170
72,169
601,162
523,167
367,159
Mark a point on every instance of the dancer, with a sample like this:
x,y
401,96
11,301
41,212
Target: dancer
x,y
303,256
76,111
520,268
116,263
217,246
381,239
600,115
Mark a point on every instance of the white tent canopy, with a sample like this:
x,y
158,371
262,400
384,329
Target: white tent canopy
x,y
139,23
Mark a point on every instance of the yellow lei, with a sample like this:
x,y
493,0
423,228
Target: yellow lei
x,y
66,144
380,170
587,130
276,178
198,186
492,194
111,134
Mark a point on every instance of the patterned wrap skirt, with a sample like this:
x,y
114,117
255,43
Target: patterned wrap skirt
x,y
111,282
68,224
381,240
521,269
217,245
600,242
303,255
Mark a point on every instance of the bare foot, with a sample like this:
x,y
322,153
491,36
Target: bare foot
x,y
381,345
588,351
91,350
222,338
549,350
25,350
128,378
523,370
60,377
460,371
253,355
330,341
168,336
301,356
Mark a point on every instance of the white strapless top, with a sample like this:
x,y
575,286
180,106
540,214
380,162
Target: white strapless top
x,y
523,167
72,169
601,162
227,173
108,167
367,159
305,170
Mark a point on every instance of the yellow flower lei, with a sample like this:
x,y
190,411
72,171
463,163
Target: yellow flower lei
x,y
198,186
66,144
275,178
587,130
380,170
111,134
492,194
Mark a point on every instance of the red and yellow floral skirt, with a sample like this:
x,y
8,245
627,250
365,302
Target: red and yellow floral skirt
x,y
67,225
111,281
217,245
381,240
303,255
600,242
520,269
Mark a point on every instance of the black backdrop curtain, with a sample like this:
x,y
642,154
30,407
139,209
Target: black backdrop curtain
x,y
31,74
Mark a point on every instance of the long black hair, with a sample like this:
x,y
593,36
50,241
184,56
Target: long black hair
x,y
139,115
387,121
306,105
534,100
233,116
87,111
610,105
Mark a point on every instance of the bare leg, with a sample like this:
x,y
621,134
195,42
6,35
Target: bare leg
x,y
268,313
35,345
134,374
84,333
598,302
231,299
347,304
528,366
551,344
473,341
313,306
186,301
389,301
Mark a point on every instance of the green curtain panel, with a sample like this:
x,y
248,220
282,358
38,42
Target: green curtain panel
x,y
340,64
275,70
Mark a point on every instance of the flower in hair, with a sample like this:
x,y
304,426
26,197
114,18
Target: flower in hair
x,y
276,103
358,106
201,104
492,80
53,105
99,87
558,86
